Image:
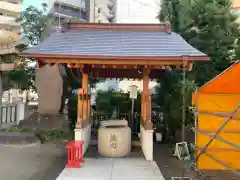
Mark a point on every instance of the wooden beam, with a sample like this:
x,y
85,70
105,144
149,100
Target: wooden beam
x,y
150,63
114,58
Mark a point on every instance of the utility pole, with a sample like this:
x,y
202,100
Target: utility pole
x,y
183,103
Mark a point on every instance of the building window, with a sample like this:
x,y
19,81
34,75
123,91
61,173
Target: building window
x,y
83,14
56,5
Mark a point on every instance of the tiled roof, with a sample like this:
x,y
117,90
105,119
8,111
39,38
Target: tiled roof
x,y
107,42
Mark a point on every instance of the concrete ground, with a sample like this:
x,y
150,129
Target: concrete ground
x,y
170,166
113,169
47,161
32,162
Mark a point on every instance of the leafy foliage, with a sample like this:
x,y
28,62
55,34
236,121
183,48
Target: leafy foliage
x,y
54,135
72,111
34,22
170,98
108,101
209,26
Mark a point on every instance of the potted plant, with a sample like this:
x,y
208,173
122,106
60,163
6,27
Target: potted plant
x,y
159,129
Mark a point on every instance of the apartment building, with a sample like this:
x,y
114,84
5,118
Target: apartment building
x,y
236,8
67,9
10,30
101,11
236,4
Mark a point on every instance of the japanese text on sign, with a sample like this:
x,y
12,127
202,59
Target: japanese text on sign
x,y
113,141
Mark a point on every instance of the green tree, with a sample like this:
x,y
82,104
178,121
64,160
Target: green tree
x,y
169,98
35,23
209,26
108,101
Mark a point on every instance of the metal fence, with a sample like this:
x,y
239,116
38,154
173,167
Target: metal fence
x,y
8,114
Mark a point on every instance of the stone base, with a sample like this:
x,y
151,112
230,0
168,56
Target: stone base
x,y
146,140
84,134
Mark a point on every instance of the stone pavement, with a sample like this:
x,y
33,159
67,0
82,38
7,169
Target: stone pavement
x,y
113,169
32,162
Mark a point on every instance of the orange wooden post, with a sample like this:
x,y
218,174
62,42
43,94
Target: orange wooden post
x,y
82,101
149,117
79,109
142,105
89,106
85,101
145,96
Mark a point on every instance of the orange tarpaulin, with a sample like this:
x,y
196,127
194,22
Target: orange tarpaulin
x,y
226,82
215,101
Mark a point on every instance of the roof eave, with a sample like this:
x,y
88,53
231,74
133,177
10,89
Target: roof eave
x,y
107,57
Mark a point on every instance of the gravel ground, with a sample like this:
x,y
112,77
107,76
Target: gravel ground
x,y
170,166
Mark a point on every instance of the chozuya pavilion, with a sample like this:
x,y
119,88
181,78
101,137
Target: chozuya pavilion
x,y
139,51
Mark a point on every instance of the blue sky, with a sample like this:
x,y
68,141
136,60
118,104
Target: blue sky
x,y
36,3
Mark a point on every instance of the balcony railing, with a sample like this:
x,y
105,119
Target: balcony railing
x,y
10,7
8,20
73,3
66,12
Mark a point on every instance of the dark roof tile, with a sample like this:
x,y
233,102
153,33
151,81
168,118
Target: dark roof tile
x,y
115,43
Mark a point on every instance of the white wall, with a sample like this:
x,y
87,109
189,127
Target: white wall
x,y
146,140
126,83
84,135
12,114
104,11
137,11
123,85
50,3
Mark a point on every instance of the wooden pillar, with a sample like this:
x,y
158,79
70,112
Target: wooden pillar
x,y
82,113
142,105
89,106
85,101
145,93
146,100
150,106
79,123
